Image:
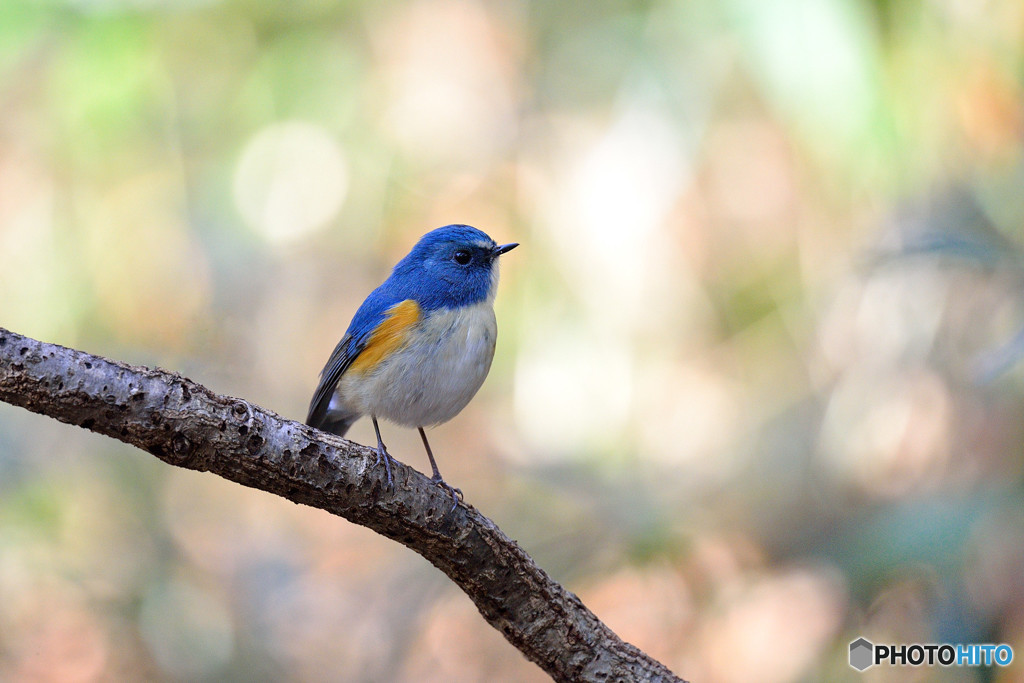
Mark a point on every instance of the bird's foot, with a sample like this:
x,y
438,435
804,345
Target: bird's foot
x,y
455,493
382,454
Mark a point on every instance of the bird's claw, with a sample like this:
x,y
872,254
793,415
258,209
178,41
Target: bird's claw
x,y
382,454
455,492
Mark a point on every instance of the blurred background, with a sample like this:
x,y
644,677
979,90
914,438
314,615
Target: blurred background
x,y
756,391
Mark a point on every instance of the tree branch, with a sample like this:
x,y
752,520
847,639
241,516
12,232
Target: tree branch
x,y
187,425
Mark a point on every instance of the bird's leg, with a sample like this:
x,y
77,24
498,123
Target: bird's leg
x,y
456,493
382,451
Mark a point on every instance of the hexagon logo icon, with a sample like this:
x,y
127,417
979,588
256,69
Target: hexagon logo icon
x,y
861,654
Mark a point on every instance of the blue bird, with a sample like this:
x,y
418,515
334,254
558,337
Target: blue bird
x,y
420,345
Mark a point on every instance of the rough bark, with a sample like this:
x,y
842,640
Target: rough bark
x,y
187,425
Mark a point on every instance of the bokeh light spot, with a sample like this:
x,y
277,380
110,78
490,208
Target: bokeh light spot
x,y
291,180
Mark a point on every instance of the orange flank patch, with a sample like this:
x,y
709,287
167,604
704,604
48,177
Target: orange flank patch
x,y
389,335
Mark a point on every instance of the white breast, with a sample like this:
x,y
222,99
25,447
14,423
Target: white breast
x,y
432,378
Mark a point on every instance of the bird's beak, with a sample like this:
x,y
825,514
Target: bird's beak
x,y
502,248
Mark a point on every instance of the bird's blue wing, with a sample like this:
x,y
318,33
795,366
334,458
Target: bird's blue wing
x,y
371,313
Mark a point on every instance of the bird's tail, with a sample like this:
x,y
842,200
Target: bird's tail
x,y
335,426
333,421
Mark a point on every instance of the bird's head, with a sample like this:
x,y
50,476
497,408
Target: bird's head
x,y
456,265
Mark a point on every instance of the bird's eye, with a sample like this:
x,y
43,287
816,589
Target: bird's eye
x,y
462,257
